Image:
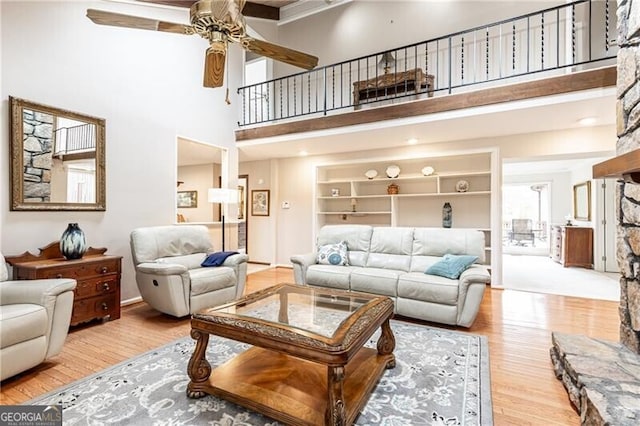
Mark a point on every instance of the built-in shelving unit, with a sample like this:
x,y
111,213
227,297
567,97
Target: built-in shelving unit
x,y
345,195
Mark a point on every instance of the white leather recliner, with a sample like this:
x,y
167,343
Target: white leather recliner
x,y
34,320
169,274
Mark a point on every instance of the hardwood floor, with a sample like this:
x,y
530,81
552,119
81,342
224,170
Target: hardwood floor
x,y
518,326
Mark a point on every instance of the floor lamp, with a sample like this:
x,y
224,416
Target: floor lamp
x,y
222,196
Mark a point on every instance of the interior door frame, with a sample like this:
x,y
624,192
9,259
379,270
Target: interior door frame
x,y
245,212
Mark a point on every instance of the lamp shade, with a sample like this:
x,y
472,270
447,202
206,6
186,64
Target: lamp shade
x,y
222,195
386,62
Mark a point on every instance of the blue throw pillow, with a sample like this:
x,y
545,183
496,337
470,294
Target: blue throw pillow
x,y
217,258
333,254
451,266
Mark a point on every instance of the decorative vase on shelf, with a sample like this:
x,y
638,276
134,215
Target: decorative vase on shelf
x,y
393,189
447,212
73,244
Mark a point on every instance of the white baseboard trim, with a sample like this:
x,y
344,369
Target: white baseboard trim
x,y
131,301
283,265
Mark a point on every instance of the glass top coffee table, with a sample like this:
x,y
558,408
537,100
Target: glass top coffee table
x,y
308,364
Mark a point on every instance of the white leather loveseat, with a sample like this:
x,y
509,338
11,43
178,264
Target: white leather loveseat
x,y
169,274
392,261
34,320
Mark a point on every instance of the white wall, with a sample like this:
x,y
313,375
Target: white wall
x,y
148,87
366,27
261,230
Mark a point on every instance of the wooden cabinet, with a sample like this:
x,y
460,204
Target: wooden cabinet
x,y
349,193
572,245
97,294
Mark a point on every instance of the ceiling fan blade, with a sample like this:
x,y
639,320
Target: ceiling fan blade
x,y
280,53
214,67
103,17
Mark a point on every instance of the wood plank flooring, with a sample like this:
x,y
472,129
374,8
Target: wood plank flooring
x,y
517,324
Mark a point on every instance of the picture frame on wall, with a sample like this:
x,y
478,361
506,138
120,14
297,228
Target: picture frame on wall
x,y
260,202
187,199
242,197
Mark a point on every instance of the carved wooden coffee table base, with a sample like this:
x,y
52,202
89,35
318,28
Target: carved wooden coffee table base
x,y
289,376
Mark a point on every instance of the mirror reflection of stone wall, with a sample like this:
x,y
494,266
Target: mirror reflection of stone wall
x,y
38,146
59,159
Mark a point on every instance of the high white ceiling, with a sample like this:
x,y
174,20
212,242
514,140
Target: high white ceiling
x,y
521,117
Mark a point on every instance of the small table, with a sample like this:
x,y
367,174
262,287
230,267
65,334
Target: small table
x,y
308,365
391,84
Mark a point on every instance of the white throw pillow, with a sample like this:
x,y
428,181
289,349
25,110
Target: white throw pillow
x,y
333,254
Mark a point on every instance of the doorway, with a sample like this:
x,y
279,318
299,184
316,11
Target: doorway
x,y
243,216
525,216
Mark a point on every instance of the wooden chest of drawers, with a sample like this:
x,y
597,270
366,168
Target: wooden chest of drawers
x,y
97,294
572,246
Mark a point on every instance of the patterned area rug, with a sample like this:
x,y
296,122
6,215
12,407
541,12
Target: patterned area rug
x,y
441,378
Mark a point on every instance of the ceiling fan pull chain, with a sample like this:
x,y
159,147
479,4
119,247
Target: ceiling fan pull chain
x,y
226,98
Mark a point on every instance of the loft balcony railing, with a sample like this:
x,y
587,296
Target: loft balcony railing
x,y
74,139
576,34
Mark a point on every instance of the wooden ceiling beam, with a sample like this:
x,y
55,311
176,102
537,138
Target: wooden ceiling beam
x,y
178,3
254,10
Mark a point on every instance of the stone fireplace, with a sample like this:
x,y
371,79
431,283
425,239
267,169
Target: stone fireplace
x,y
603,378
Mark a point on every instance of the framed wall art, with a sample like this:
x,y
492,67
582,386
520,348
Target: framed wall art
x,y
260,202
187,199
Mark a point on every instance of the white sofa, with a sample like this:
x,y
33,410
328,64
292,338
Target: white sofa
x,y
169,274
34,320
392,261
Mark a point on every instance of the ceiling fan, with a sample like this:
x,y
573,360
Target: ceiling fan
x,y
218,21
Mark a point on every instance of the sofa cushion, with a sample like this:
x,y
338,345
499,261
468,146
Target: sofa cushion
x,y
391,248
204,280
451,265
375,280
155,242
428,288
357,237
436,242
189,261
333,254
330,276
22,322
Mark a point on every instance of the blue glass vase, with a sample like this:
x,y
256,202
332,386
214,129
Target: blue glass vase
x,y
73,244
447,213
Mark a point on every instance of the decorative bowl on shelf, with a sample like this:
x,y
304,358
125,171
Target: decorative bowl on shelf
x,y
393,171
427,171
393,189
462,186
370,174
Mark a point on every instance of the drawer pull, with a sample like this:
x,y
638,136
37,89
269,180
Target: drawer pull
x,y
105,307
104,270
105,287
58,275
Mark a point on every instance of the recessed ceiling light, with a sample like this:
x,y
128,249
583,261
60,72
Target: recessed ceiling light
x,y
587,121
303,153
412,141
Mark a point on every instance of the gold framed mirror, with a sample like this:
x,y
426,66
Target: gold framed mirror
x,y
57,158
582,201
